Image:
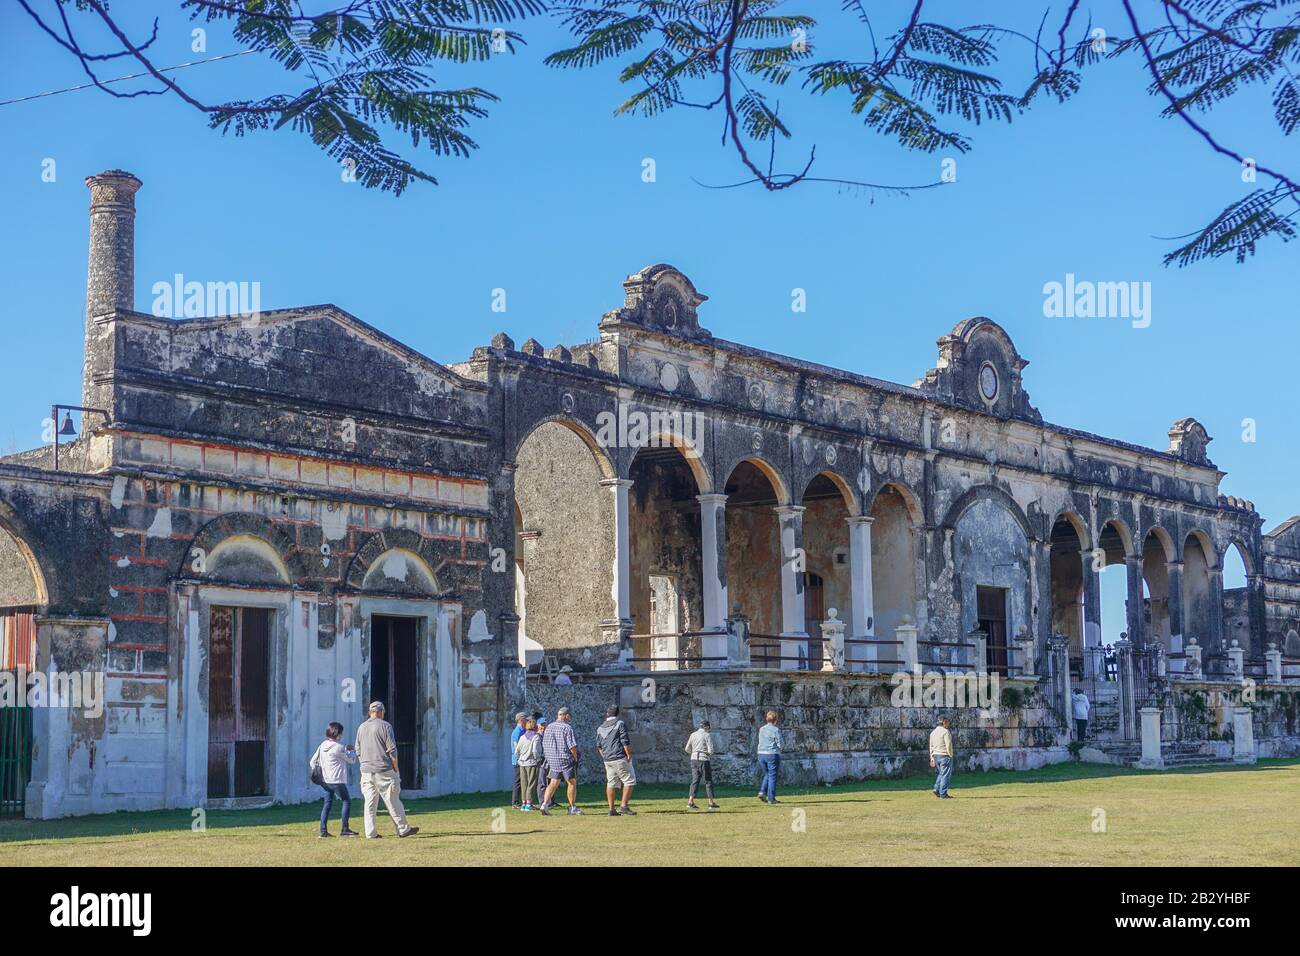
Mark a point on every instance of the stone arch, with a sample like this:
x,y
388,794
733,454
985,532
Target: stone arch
x,y
915,511
694,460
579,428
1247,559
25,554
1165,538
987,493
779,485
897,572
1122,531
421,556
242,529
1206,543
1077,522
400,570
842,485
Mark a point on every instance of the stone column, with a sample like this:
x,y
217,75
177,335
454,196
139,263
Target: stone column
x,y
833,642
1237,659
1192,665
1257,609
1028,654
792,596
713,561
1175,569
618,629
1214,635
1243,736
1091,606
1135,604
1274,658
1058,663
907,650
1127,703
737,639
860,589
1152,759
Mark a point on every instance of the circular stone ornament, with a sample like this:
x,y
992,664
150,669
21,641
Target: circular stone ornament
x,y
988,382
668,377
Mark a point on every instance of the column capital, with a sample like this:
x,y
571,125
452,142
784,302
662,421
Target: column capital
x,y
1174,565
789,511
616,482
856,520
712,499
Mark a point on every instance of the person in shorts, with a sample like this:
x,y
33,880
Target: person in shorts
x,y
616,750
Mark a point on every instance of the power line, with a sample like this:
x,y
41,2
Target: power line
x,y
133,76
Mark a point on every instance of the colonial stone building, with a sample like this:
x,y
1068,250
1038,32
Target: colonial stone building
x,y
270,519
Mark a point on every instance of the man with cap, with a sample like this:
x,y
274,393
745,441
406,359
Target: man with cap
x,y
521,719
377,752
560,748
615,748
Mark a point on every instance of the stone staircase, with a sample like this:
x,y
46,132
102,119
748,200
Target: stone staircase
x,y
1126,753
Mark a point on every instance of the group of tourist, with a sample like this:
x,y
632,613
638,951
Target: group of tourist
x,y
545,754
376,751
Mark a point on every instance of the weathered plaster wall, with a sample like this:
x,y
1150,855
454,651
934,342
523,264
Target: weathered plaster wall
x,y
567,544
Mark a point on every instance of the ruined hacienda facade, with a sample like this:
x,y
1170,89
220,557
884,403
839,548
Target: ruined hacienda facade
x,y
271,519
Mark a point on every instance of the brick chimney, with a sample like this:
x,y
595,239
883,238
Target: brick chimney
x,y
110,278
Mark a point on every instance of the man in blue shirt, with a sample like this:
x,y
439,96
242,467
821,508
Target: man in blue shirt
x,y
515,796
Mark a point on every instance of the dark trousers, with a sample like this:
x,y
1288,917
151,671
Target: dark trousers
x,y
333,790
701,770
516,791
1081,725
541,783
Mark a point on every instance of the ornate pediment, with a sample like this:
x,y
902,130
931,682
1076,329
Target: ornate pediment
x,y
1189,440
979,368
662,299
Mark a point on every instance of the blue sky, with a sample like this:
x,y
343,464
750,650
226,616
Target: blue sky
x,y
552,208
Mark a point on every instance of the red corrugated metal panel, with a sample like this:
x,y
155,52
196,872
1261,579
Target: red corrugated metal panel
x,y
17,639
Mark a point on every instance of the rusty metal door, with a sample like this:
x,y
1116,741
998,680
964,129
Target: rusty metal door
x,y
239,642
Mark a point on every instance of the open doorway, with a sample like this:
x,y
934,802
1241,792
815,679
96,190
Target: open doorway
x,y
992,620
394,681
239,663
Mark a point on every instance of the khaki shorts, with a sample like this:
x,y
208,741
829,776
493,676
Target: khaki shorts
x,y
619,773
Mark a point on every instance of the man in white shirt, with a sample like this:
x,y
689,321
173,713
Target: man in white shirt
x,y
700,747
941,757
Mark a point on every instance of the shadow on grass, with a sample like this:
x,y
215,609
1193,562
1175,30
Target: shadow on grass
x,y
140,823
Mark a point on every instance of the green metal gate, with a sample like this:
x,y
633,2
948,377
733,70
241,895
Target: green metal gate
x,y
17,660
15,758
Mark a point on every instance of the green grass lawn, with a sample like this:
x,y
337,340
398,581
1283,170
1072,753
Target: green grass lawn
x,y
1216,816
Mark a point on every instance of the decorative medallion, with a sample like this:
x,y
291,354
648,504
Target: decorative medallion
x,y
988,382
567,403
757,441
756,395
668,377
831,454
